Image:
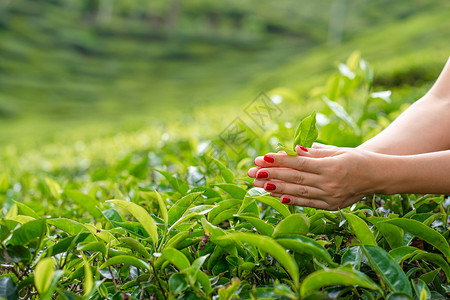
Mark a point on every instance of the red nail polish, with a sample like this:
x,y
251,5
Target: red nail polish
x,y
271,194
268,159
285,200
253,183
262,174
270,187
303,148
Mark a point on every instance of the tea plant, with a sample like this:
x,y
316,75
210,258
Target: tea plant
x,y
130,226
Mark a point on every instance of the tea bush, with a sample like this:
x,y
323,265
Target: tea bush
x,y
137,216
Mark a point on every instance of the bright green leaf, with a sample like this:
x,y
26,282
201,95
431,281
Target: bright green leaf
x,y
141,215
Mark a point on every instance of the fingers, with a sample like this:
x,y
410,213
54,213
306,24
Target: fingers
x,y
322,146
316,152
306,202
280,187
288,175
300,163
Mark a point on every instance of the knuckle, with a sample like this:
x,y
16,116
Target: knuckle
x,y
300,163
298,178
303,192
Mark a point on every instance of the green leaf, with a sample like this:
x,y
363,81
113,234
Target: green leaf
x,y
85,201
136,246
177,283
288,151
302,244
178,209
54,187
43,274
361,230
401,253
88,279
162,207
28,232
222,206
204,281
93,246
341,113
233,190
343,276
437,259
8,289
307,132
262,227
275,203
227,174
225,215
424,232
25,210
4,182
385,266
296,223
392,233
175,257
195,268
127,260
270,246
429,276
15,254
176,183
141,215
227,292
67,225
195,211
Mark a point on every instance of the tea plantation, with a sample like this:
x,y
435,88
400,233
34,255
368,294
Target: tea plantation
x,y
135,186
123,217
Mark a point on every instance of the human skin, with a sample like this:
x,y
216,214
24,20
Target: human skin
x,y
410,156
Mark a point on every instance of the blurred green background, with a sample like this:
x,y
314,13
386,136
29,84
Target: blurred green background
x,y
84,69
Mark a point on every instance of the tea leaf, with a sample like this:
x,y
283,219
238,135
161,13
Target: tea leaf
x,y
342,276
43,274
141,215
270,246
85,201
127,260
385,266
302,244
306,132
276,204
296,223
262,227
361,230
424,232
178,209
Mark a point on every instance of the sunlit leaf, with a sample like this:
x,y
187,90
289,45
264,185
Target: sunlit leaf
x,y
141,215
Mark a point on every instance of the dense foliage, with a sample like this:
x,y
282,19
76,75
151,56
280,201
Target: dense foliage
x,y
144,217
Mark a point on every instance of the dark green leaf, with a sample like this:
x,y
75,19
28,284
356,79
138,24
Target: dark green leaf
x,y
385,266
424,232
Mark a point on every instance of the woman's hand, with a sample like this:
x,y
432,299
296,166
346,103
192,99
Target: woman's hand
x,y
322,177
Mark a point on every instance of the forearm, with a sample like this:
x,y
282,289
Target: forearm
x,y
423,127
427,173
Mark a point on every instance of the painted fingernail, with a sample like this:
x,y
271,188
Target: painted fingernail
x,y
253,183
262,174
271,194
303,148
268,159
270,187
285,200
254,162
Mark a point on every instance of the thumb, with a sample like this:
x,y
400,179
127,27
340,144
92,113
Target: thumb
x,y
322,146
316,152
